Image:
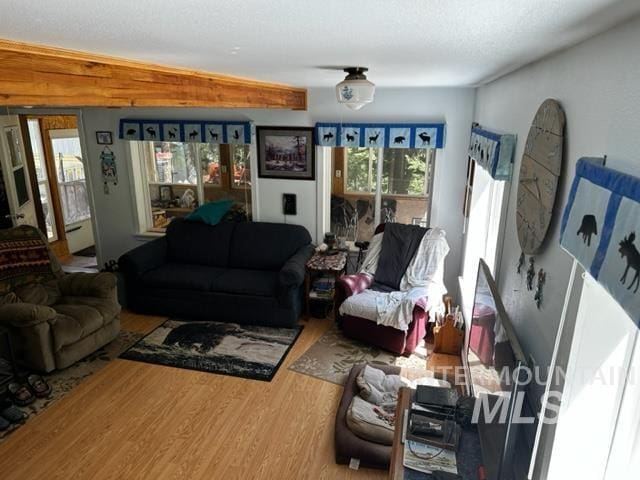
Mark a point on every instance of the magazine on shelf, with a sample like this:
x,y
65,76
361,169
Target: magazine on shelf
x,y
428,459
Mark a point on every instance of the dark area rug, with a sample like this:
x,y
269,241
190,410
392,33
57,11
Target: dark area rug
x,y
247,351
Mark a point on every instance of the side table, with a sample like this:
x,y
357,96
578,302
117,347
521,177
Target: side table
x,y
332,263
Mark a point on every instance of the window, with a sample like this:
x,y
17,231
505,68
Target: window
x,y
399,190
361,170
173,178
485,217
241,167
407,171
42,178
172,163
210,164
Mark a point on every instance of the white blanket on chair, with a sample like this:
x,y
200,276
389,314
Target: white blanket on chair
x,y
424,278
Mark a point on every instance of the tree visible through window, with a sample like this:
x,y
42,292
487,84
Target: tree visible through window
x,y
404,171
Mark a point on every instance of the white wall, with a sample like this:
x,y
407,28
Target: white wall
x,y
115,212
596,83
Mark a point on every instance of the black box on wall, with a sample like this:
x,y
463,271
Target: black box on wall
x,y
289,204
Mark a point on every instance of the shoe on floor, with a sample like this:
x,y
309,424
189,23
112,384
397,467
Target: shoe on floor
x,y
20,394
11,413
39,386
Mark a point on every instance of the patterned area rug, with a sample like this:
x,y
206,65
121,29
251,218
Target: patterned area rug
x,y
247,351
63,381
333,355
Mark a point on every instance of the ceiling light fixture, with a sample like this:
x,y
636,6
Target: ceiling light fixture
x,y
355,90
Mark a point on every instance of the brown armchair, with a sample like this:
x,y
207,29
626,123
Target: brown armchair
x,y
54,319
389,338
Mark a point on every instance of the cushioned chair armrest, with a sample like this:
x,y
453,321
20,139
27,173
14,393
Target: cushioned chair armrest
x,y
292,272
82,284
349,285
25,314
146,257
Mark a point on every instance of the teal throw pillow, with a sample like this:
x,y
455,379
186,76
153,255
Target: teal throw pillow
x,y
211,212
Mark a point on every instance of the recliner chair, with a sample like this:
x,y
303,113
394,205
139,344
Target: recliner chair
x,y
54,319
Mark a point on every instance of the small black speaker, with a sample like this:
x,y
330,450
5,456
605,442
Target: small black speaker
x,y
289,204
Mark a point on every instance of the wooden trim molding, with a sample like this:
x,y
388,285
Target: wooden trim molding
x,y
38,75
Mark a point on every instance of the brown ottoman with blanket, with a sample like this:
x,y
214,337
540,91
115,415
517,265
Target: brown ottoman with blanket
x,y
347,444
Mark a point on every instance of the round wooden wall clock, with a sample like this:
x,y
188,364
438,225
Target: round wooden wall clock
x,y
540,171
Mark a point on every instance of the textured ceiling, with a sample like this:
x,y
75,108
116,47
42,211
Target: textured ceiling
x,y
408,43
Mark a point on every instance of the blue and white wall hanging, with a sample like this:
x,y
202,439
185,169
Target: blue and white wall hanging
x,y
601,229
493,152
380,135
208,131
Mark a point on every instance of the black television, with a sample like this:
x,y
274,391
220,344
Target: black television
x,y
496,374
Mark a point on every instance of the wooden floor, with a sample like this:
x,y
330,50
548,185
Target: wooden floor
x,y
139,421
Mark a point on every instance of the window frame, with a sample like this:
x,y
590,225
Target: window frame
x,y
140,152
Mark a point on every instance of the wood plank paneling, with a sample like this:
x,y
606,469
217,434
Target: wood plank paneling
x,y
48,76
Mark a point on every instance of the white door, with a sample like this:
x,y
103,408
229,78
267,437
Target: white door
x,y
596,376
72,187
16,174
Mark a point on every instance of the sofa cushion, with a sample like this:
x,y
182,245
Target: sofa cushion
x,y
364,420
105,306
265,246
247,282
182,276
74,322
198,243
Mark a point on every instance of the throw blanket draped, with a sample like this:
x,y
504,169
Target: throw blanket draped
x,y
424,277
399,245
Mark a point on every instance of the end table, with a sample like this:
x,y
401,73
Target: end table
x,y
331,263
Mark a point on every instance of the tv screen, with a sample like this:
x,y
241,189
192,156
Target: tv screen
x,y
491,358
493,362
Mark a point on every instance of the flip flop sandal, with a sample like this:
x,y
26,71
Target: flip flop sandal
x,y
13,414
39,386
20,394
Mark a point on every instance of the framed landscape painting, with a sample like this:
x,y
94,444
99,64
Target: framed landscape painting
x,y
286,152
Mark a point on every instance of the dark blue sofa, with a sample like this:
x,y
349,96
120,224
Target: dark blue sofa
x,y
248,272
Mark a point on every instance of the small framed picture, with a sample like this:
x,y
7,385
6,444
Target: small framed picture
x,y
104,138
166,193
286,152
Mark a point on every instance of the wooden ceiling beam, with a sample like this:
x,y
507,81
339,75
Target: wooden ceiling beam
x,y
38,75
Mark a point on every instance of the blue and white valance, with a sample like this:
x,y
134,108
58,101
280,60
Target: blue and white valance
x,y
601,229
380,135
202,131
493,152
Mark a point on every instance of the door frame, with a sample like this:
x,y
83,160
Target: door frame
x,y
90,172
